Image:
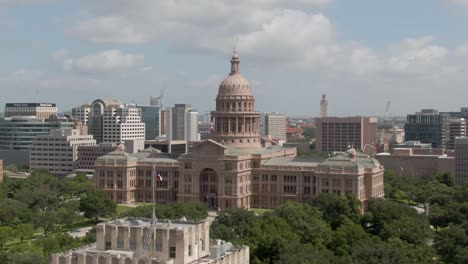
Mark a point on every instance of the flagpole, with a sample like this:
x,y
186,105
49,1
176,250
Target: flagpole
x,y
154,198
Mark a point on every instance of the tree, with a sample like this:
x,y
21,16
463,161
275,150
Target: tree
x,y
451,244
233,225
345,236
67,213
79,184
6,234
307,222
24,230
334,206
446,178
47,219
97,203
388,219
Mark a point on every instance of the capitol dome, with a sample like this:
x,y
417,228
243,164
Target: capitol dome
x,y
235,83
236,124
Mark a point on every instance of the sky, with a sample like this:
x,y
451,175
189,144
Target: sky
x,y
361,53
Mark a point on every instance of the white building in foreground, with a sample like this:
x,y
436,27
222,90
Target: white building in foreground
x,y
174,242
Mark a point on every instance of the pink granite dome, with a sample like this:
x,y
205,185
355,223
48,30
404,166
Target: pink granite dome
x,y
235,83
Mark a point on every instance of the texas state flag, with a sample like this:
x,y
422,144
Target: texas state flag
x,y
157,175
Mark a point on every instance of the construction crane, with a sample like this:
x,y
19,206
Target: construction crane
x,y
144,254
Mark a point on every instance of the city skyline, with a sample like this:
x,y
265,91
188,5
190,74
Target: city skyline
x,y
293,51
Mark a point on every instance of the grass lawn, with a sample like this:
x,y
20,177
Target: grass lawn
x,y
122,209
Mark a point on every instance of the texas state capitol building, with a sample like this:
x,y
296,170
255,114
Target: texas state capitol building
x,y
237,168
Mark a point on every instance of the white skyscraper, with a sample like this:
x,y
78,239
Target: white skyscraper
x,y
122,123
82,113
273,125
181,123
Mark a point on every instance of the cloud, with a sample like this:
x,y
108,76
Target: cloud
x,y
101,62
110,29
417,55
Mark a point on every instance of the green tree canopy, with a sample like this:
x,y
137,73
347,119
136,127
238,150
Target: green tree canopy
x,y
97,203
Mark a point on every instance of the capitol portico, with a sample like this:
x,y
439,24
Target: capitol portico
x,y
236,168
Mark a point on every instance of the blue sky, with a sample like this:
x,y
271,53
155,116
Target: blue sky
x,y
361,53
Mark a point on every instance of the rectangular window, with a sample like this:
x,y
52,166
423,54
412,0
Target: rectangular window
x,y
159,247
172,252
190,250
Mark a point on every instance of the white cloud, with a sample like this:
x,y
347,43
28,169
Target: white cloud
x,y
110,29
417,55
105,61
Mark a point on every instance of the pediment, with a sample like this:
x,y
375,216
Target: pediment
x,y
208,146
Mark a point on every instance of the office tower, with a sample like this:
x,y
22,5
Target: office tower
x,y
173,241
57,151
37,110
426,126
122,123
181,123
273,125
96,118
151,116
191,126
324,106
1,171
82,113
453,128
341,133
461,160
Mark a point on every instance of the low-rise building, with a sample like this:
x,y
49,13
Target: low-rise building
x,y
171,242
58,151
87,155
417,162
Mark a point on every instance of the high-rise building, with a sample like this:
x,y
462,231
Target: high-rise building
x,y
151,116
341,133
173,241
273,125
96,118
18,133
426,126
37,110
122,123
453,128
82,113
461,160
58,151
181,123
324,106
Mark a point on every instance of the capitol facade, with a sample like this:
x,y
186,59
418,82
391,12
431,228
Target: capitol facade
x,y
237,168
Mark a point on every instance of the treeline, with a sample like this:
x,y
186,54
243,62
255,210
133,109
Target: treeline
x,y
330,229
37,213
